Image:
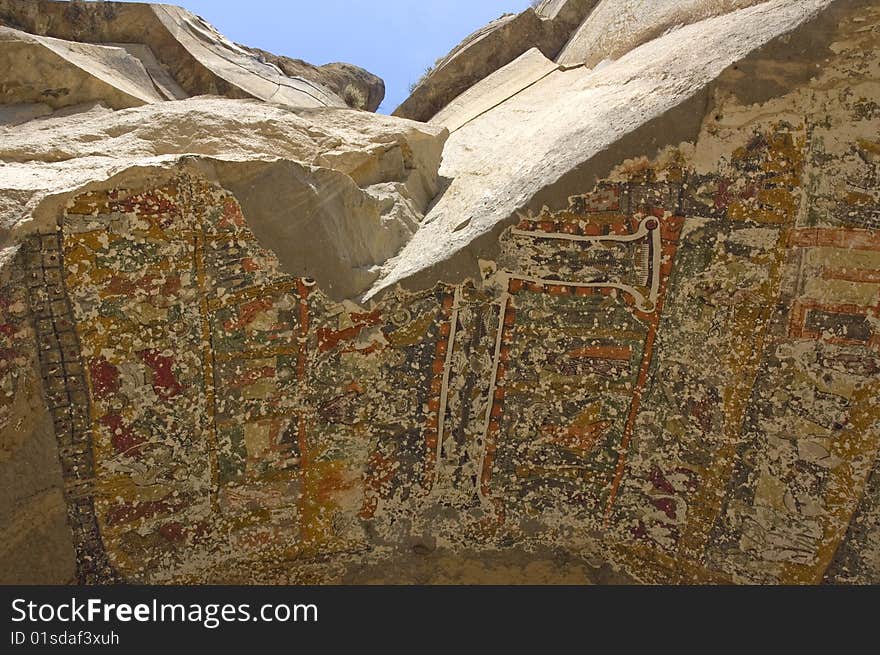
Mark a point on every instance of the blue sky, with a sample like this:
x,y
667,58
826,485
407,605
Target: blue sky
x,y
395,39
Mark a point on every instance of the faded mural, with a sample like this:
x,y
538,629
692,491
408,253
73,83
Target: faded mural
x,y
681,369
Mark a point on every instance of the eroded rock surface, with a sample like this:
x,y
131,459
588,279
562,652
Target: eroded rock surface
x,y
546,27
57,73
614,28
192,53
629,330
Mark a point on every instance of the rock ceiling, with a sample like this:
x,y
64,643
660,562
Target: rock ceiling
x,y
600,303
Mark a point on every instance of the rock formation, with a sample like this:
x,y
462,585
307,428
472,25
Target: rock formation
x,y
606,309
184,56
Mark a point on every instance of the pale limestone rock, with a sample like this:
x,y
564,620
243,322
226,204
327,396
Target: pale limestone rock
x,y
546,28
61,73
496,170
342,153
195,56
237,67
161,78
491,91
22,113
359,88
615,27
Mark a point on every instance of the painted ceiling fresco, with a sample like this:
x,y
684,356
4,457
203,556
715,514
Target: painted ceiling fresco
x,y
679,371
